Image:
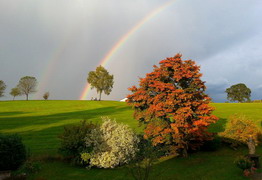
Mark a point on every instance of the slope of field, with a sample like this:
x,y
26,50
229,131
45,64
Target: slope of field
x,y
224,110
40,122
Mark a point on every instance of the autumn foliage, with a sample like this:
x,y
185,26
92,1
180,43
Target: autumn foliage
x,y
172,103
239,130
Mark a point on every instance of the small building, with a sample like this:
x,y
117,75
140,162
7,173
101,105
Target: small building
x,y
123,100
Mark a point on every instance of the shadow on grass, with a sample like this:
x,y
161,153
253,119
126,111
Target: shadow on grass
x,y
219,126
38,123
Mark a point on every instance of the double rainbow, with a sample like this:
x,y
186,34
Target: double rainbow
x,y
123,39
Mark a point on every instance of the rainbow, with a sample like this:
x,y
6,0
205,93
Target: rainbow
x,y
53,62
123,39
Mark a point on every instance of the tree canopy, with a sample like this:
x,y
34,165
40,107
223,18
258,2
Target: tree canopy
x,y
238,92
101,80
2,88
15,92
27,85
172,103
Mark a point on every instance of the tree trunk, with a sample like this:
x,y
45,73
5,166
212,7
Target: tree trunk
x,y
100,95
27,97
13,98
185,154
251,146
184,151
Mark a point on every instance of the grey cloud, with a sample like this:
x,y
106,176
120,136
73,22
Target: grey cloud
x,y
222,36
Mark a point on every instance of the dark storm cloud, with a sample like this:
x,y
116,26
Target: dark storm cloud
x,y
222,36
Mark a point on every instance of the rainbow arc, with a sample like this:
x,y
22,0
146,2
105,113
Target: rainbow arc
x,y
124,39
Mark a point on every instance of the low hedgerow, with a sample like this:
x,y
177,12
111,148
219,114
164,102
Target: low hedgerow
x,y
73,141
12,152
112,144
257,101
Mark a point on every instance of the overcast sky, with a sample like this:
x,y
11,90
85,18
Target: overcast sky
x,y
60,41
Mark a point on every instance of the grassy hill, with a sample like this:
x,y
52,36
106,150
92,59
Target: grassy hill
x,y
40,122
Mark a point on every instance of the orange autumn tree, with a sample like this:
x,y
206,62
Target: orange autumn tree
x,y
172,103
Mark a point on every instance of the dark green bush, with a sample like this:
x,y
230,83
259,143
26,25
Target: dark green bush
x,y
73,141
12,152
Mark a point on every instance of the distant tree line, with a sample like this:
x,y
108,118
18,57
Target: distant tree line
x,y
25,86
100,79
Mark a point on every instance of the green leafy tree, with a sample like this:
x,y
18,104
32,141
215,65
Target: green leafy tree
x,y
101,80
15,92
2,88
238,92
27,85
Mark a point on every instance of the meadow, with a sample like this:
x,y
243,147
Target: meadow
x,y
40,122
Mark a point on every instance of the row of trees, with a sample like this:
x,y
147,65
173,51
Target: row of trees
x,y
100,79
25,86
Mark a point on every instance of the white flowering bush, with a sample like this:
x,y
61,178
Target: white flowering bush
x,y
113,144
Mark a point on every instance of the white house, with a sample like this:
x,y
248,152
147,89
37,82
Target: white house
x,y
123,100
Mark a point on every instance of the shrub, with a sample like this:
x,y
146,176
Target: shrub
x,y
12,152
72,141
29,167
46,96
141,166
112,145
146,150
243,162
239,130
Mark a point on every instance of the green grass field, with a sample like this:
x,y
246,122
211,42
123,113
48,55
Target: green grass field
x,y
40,122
